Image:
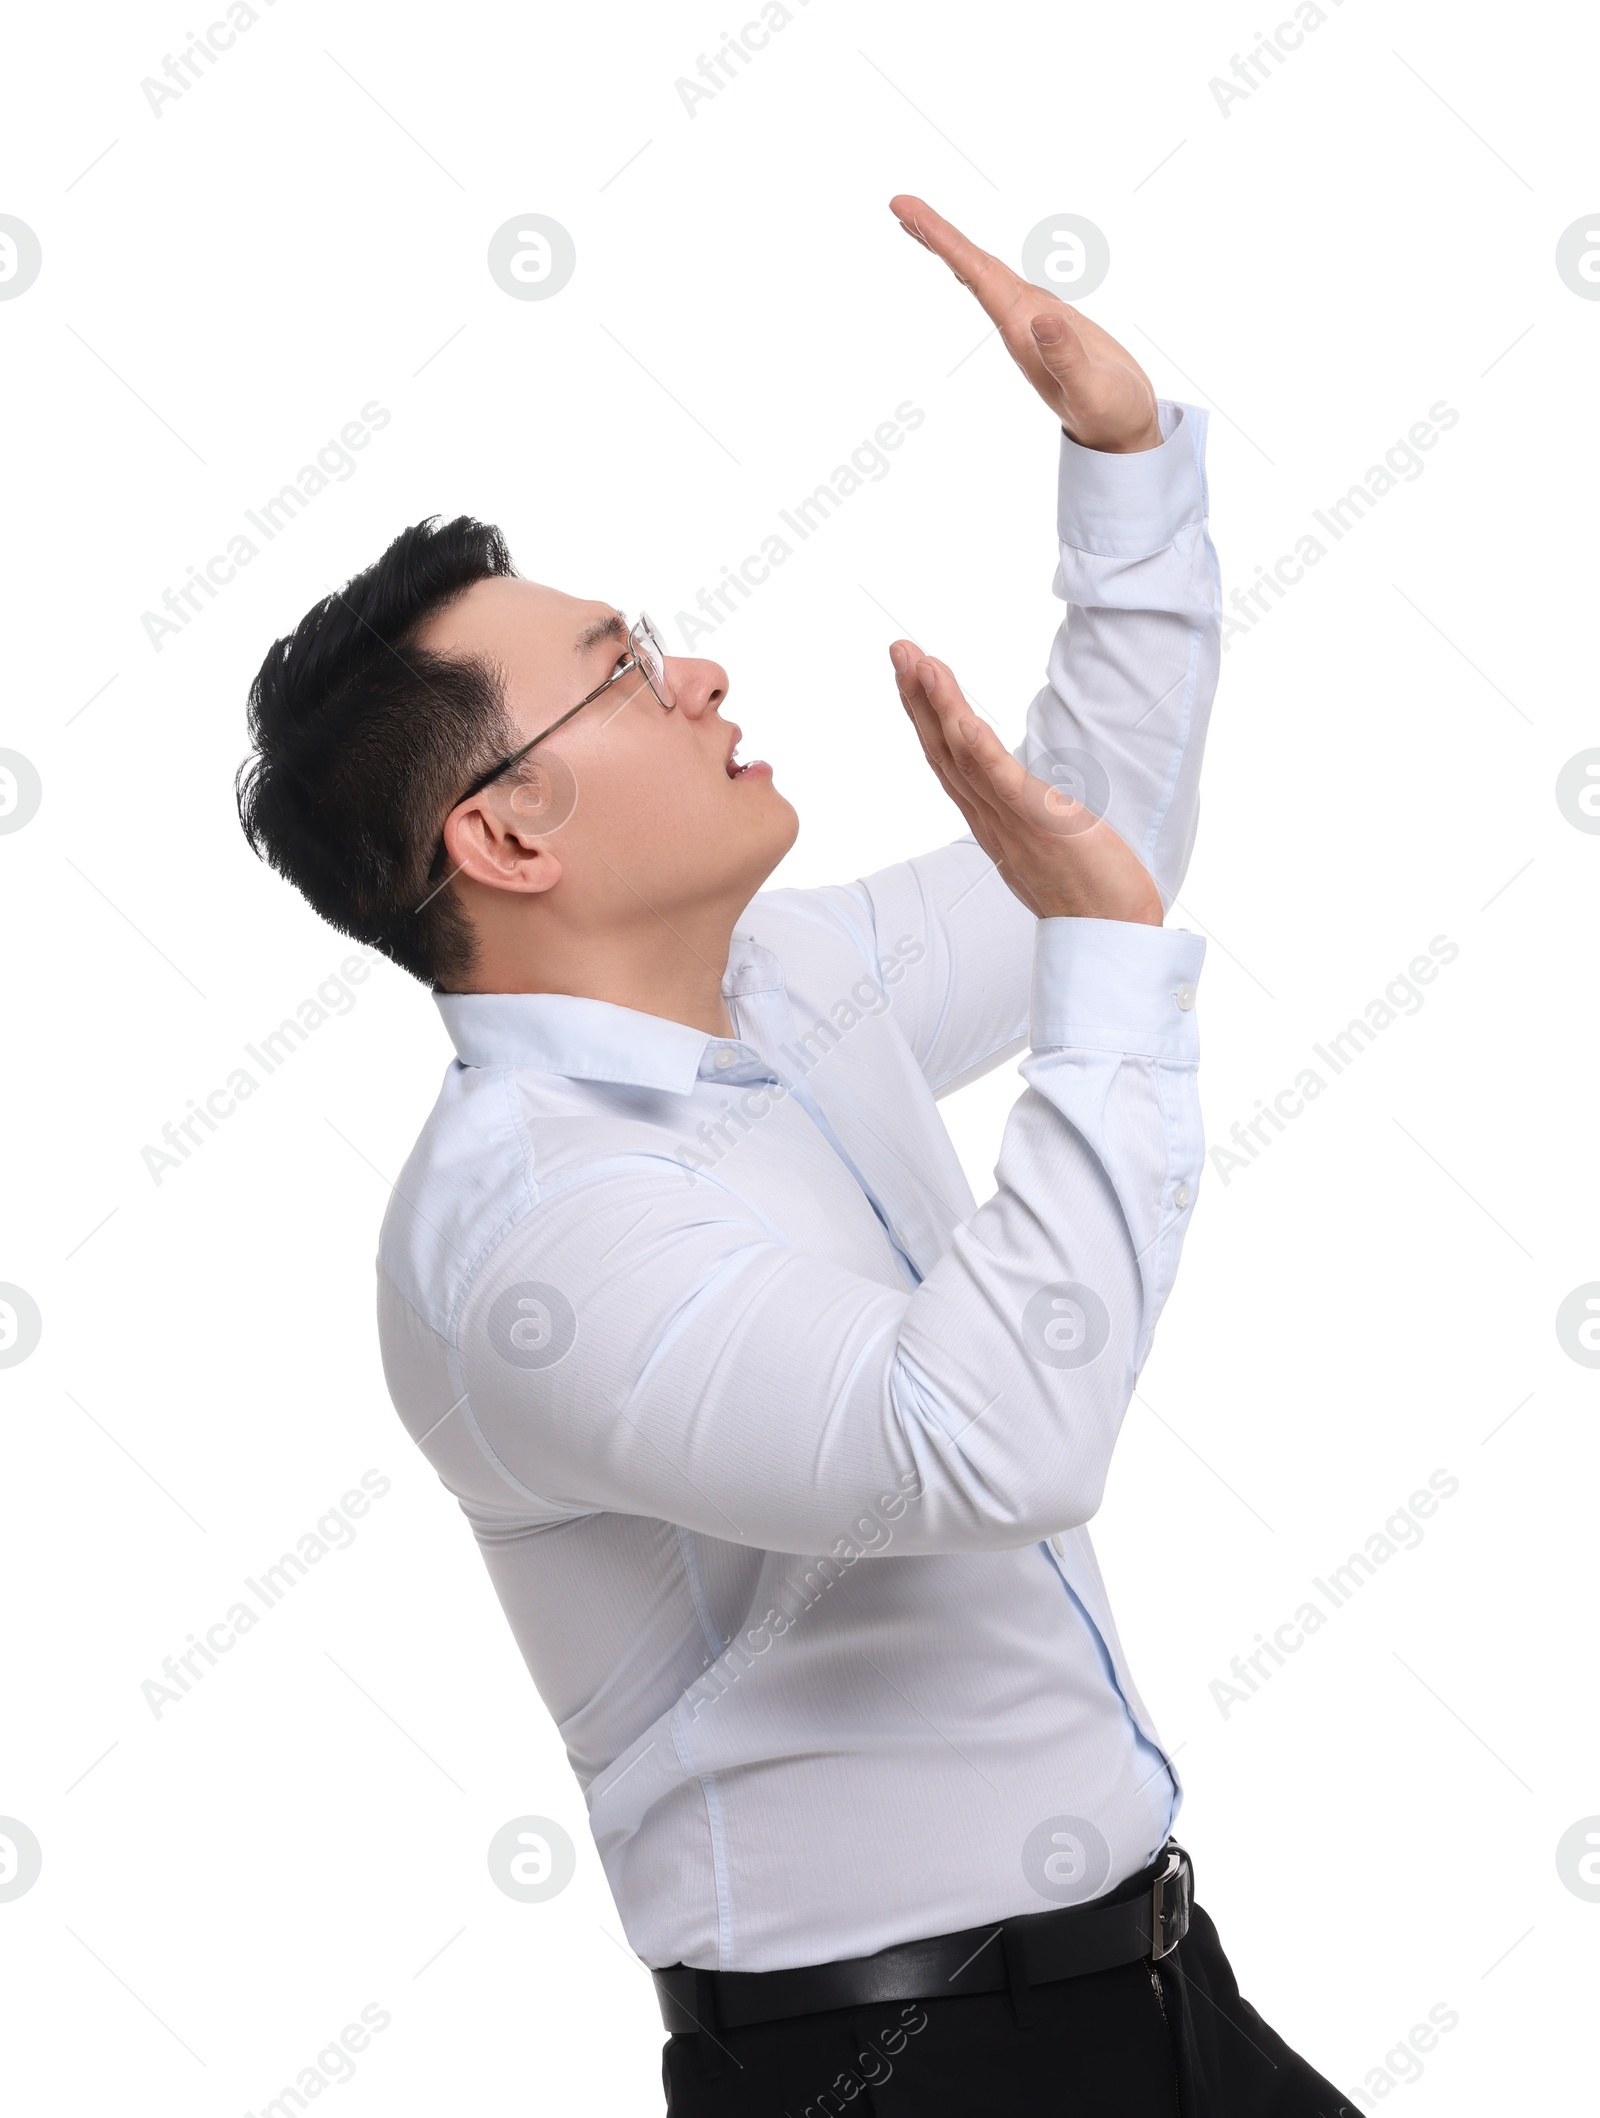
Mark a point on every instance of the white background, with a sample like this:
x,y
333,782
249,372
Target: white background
x,y
1371,1300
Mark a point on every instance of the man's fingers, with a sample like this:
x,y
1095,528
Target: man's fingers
x,y
963,734
926,722
1059,343
934,698
1046,339
936,749
984,761
1012,814
1057,855
987,782
935,233
991,280
998,784
1093,385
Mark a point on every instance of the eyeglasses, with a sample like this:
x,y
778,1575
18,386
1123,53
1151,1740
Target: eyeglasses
x,y
646,652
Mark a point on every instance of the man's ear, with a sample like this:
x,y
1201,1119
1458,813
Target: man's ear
x,y
501,838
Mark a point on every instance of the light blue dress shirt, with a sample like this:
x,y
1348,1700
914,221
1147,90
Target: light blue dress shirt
x,y
779,1449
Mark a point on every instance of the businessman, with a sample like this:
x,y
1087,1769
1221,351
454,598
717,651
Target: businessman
x,y
779,1450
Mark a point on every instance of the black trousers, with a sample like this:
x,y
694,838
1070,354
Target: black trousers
x,y
1170,2040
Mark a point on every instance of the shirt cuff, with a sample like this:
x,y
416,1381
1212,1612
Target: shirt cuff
x,y
1127,507
1112,985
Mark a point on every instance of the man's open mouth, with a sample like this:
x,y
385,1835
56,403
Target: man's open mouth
x,y
736,771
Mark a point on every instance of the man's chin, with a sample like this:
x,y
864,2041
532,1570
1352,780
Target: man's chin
x,y
781,829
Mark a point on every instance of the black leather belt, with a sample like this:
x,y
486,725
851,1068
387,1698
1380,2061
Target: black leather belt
x,y
1144,1917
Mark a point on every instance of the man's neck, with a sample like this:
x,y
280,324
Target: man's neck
x,y
665,972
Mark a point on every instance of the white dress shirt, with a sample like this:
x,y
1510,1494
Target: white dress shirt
x,y
778,1448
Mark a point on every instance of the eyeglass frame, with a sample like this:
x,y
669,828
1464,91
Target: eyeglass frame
x,y
644,630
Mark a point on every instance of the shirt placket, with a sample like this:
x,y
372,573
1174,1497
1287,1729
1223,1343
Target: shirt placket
x,y
759,1012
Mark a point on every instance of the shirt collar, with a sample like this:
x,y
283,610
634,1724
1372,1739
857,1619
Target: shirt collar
x,y
594,1040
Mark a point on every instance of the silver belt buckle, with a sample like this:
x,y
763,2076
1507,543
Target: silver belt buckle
x,y
1169,1907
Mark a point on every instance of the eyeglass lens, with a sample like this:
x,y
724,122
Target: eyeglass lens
x,y
647,645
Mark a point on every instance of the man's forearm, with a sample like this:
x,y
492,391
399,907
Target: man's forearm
x,y
1121,721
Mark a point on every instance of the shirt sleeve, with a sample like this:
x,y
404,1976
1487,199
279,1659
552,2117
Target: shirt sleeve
x,y
643,1342
1120,723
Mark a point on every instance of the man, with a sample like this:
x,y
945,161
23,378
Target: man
x,y
779,1450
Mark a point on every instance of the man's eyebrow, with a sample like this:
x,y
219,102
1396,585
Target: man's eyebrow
x,y
609,628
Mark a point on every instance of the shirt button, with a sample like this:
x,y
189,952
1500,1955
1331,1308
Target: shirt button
x,y
1184,996
1182,1196
726,1055
1058,1547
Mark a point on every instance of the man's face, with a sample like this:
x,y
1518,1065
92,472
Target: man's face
x,y
636,804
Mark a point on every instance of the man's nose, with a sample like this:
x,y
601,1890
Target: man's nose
x,y
698,686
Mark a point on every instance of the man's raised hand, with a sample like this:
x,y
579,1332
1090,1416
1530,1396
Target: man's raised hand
x,y
1056,856
1095,387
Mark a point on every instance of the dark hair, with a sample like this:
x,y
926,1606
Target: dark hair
x,y
362,741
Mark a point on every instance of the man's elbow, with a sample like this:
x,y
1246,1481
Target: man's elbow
x,y
989,1482
967,1508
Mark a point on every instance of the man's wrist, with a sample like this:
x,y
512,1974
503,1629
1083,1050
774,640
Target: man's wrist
x,y
1151,437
